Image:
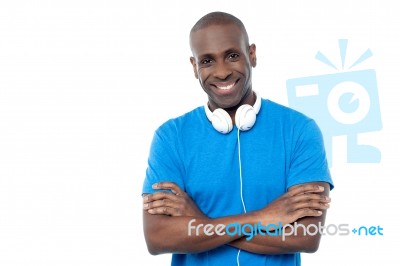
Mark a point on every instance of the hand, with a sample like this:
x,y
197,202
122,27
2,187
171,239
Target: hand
x,y
177,203
300,201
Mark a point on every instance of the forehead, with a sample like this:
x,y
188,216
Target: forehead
x,y
215,39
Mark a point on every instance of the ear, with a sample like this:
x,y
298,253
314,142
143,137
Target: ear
x,y
193,62
252,55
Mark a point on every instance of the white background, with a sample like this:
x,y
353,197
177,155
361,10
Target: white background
x,y
84,84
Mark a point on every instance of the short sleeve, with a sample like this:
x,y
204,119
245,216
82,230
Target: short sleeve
x,y
164,163
308,159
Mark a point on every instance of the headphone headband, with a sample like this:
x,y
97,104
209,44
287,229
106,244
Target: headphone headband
x,y
222,122
257,104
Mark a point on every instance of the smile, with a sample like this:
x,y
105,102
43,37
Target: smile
x,y
225,87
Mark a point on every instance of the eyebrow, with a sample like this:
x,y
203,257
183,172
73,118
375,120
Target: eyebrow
x,y
226,52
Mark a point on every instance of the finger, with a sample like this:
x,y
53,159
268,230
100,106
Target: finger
x,y
310,197
168,185
165,211
306,188
159,204
159,196
306,213
314,205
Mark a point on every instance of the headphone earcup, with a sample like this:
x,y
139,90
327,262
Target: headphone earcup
x,y
221,121
245,117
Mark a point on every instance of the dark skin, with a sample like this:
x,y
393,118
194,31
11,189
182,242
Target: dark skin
x,y
222,61
305,204
221,58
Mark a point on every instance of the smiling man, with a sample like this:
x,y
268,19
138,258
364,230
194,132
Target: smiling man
x,y
222,61
239,161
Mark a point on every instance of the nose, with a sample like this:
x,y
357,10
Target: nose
x,y
222,71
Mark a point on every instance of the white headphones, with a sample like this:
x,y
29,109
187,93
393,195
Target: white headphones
x,y
245,117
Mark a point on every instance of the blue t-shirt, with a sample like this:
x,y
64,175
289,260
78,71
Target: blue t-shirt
x,y
284,148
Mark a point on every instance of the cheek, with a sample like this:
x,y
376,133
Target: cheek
x,y
246,70
203,75
242,67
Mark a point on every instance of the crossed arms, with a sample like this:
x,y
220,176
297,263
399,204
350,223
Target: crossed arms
x,y
166,219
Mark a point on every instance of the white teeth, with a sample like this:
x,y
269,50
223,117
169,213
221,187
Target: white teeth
x,y
226,87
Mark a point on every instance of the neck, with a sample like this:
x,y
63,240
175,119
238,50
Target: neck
x,y
249,98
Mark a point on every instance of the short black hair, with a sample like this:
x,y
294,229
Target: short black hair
x,y
219,18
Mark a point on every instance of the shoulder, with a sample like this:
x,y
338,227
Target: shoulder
x,y
288,123
284,115
178,123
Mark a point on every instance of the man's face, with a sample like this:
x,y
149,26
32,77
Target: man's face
x,y
222,62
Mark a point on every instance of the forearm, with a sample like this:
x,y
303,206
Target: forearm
x,y
285,241
183,234
174,224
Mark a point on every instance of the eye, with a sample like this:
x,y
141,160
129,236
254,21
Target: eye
x,y
206,61
233,56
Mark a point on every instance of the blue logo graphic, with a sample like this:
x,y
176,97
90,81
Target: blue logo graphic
x,y
368,231
344,103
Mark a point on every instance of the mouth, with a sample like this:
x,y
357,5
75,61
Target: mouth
x,y
225,86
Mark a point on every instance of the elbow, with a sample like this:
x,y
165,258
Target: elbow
x,y
153,235
152,250
311,245
311,249
154,247
157,245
